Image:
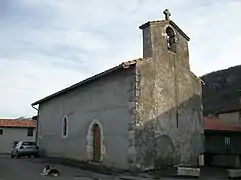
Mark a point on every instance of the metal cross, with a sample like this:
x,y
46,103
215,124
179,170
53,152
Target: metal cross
x,y
167,14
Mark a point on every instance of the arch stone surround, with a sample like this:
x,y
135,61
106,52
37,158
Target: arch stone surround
x,y
89,140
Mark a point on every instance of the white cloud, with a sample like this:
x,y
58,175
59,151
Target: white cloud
x,y
24,81
56,43
215,35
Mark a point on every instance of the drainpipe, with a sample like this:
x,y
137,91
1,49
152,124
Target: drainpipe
x,y
239,96
36,134
239,104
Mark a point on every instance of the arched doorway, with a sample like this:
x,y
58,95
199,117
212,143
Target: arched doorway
x,y
95,146
96,143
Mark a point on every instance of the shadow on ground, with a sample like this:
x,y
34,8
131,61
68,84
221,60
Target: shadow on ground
x,y
206,172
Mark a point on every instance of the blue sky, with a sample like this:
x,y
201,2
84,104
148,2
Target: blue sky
x,y
47,45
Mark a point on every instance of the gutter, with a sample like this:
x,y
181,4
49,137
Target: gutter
x,y
34,107
36,134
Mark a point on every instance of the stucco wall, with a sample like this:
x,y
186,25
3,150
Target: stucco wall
x,y
13,134
230,118
169,104
105,99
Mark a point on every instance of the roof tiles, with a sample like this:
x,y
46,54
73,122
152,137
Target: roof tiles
x,y
17,123
215,125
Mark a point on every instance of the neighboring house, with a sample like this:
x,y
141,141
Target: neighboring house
x,y
141,114
233,115
222,143
14,130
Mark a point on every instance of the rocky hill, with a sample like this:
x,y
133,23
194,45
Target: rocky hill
x,y
220,91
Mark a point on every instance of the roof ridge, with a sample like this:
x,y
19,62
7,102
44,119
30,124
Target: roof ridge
x,y
134,61
16,119
17,123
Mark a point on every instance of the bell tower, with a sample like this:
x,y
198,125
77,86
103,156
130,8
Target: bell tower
x,y
165,38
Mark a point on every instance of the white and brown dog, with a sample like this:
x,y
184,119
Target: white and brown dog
x,y
49,171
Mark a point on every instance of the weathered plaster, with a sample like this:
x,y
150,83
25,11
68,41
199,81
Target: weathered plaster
x,y
106,99
169,103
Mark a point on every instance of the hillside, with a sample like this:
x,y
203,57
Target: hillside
x,y
220,91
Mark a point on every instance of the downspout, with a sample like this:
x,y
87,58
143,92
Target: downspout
x,y
176,92
36,134
239,104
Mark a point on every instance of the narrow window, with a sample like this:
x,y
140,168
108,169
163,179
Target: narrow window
x,y
65,126
227,142
1,132
30,132
171,39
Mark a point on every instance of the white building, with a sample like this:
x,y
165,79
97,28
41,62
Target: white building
x,y
142,114
15,130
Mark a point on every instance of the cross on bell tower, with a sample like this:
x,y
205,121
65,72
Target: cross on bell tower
x,y
167,14
165,37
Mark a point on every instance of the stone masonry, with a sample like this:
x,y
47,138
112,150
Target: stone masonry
x,y
168,102
149,110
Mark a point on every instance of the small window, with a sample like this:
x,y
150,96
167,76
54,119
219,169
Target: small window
x,y
227,142
171,39
1,132
30,132
65,127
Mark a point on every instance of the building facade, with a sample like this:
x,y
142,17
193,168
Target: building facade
x,y
231,115
141,114
222,143
15,130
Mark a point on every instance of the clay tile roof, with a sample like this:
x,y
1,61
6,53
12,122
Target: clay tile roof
x,y
214,125
17,123
132,62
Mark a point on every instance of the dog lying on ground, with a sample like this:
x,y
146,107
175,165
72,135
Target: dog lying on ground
x,y
49,171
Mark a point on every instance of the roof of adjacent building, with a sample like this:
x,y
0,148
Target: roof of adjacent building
x,y
229,110
17,123
214,124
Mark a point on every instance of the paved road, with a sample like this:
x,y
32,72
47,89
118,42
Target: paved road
x,y
29,169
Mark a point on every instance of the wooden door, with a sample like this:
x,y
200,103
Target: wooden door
x,y
96,143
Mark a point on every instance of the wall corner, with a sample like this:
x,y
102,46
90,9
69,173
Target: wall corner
x,y
134,125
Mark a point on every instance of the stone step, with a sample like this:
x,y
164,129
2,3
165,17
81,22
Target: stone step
x,y
188,171
234,173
